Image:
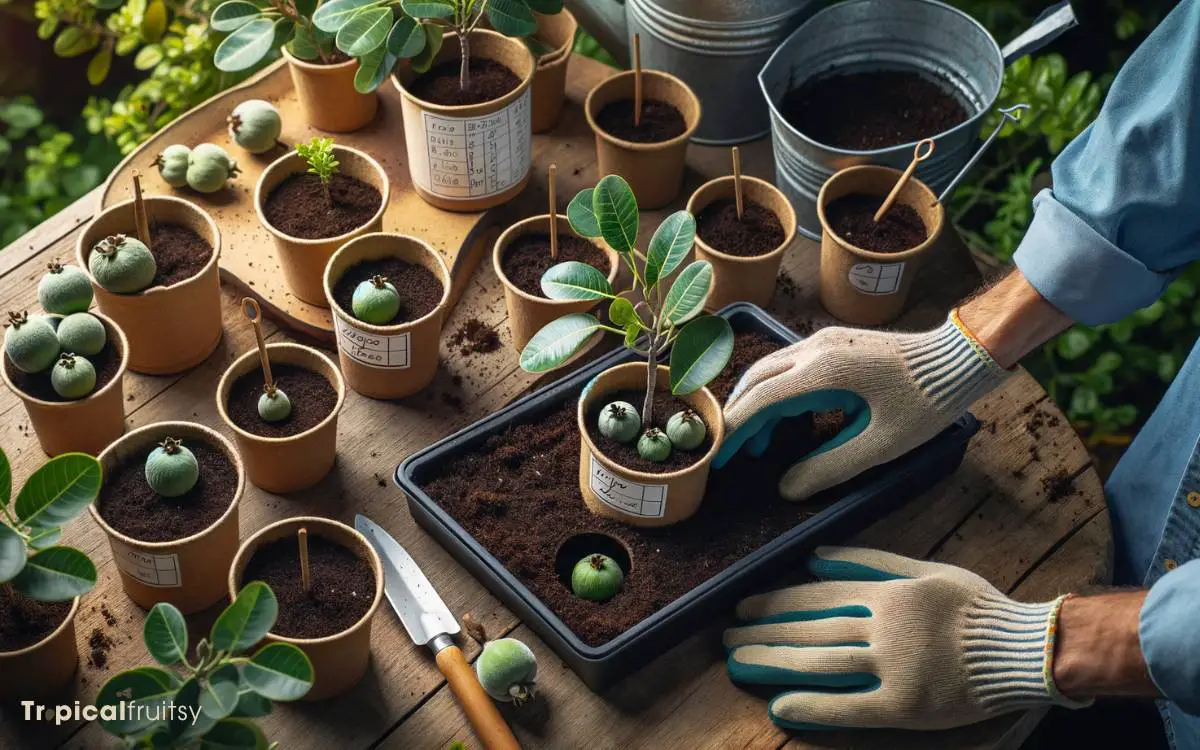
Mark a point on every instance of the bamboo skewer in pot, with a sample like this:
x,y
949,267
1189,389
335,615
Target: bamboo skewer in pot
x,y
305,575
274,405
551,179
922,151
141,220
637,80
738,198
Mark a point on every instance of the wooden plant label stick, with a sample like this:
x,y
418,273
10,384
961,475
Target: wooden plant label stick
x,y
253,313
919,156
737,182
140,220
302,539
550,178
637,80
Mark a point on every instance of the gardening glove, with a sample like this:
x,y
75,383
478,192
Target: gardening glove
x,y
897,390
887,641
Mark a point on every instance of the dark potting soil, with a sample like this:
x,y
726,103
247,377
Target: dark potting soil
x,y
179,253
852,217
475,336
106,363
342,586
528,258
661,121
127,503
25,621
871,110
420,291
626,454
758,232
518,495
298,206
488,80
312,397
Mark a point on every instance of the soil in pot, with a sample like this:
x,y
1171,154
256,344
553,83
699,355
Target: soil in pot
x,y
129,505
420,291
518,495
488,80
342,586
626,454
660,121
312,397
107,363
179,253
475,336
298,206
528,258
758,232
852,217
871,110
25,621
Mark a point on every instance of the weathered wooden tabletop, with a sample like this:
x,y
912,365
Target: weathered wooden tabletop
x,y
994,516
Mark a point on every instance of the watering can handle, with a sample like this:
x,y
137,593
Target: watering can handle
x,y
1049,26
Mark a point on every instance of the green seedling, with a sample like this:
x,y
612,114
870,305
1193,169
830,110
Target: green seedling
x,y
321,161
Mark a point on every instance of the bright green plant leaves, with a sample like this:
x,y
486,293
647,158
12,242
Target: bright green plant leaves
x,y
165,634
55,575
219,693
251,704
373,68
616,213
622,314
428,8
406,39
366,32
558,341
279,671
186,702
233,15
247,620
309,43
246,47
12,553
671,243
573,280
423,61
45,538
146,686
511,17
58,491
335,14
581,216
688,292
700,353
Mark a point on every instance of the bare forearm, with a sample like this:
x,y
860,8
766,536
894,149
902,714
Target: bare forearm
x,y
1011,319
1097,652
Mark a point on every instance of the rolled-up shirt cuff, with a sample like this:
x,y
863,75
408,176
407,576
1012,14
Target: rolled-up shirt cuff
x,y
1079,271
1170,637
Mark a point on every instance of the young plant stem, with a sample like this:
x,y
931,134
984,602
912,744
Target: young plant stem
x,y
551,179
253,313
464,65
328,195
302,540
651,382
140,220
737,182
637,80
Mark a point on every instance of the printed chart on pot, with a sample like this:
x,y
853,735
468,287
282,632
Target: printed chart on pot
x,y
476,157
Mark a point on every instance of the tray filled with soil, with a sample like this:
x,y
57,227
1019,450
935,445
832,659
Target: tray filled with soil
x,y
503,497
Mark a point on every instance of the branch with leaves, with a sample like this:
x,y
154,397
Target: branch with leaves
x,y
321,161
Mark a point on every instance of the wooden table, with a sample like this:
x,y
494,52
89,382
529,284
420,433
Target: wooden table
x,y
993,516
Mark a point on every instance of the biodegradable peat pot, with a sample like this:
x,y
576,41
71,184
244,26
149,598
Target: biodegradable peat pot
x,y
85,425
302,260
550,77
527,313
293,463
395,360
653,170
743,278
340,660
169,328
497,133
45,667
184,572
328,97
664,498
860,286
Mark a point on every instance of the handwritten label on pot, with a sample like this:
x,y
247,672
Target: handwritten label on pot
x,y
374,349
160,571
645,500
877,278
474,157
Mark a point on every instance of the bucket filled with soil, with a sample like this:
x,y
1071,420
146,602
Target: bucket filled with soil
x,y
173,323
551,47
330,619
37,645
746,251
650,154
327,94
470,149
294,451
867,266
388,342
86,424
309,222
169,506
522,255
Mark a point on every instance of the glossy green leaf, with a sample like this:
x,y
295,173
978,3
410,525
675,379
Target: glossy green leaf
x,y
251,704
631,335
700,353
12,553
146,686
99,65
406,38
373,70
59,490
247,620
154,21
219,693
335,14
581,216
285,29
309,43
616,212
305,7
622,314
427,8
546,7
246,47
149,56
5,480
365,32
234,734
688,292
56,575
511,17
45,538
558,341
671,243
279,671
185,704
423,61
573,280
165,634
73,41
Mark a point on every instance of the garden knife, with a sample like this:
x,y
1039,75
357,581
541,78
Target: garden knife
x,y
429,623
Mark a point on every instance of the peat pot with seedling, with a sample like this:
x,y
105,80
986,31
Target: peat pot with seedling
x,y
315,199
622,445
40,580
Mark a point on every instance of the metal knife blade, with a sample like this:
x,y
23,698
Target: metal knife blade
x,y
424,614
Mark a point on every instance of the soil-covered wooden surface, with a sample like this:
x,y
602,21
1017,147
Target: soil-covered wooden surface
x,y
1025,510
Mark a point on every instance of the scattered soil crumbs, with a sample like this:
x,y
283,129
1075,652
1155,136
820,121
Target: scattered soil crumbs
x,y
109,618
99,645
25,621
488,80
179,253
312,397
420,291
107,362
758,232
1058,486
626,454
852,217
298,206
528,258
475,337
660,121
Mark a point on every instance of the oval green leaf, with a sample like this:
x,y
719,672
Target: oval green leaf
x,y
99,65
149,56
688,292
305,7
616,213
73,41
558,341
511,17
581,216
56,575
165,634
145,686
246,47
185,703
247,619
233,15
59,490
45,538
700,353
335,14
234,734
423,60
365,32
310,42
252,705
427,8
5,480
622,314
573,280
406,39
219,696
671,243
373,69
279,671
12,553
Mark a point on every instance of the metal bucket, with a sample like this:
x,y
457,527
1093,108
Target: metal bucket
x,y
923,36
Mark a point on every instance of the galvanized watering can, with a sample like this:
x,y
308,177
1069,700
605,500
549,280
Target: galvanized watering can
x,y
715,46
924,36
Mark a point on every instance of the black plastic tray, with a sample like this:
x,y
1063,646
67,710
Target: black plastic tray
x,y
863,500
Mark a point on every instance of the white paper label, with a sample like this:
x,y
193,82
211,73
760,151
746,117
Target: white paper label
x,y
645,500
473,157
373,349
160,571
877,278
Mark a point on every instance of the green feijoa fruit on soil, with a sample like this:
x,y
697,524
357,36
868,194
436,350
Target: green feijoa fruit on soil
x,y
172,469
686,430
375,301
64,290
507,670
122,265
274,406
255,125
73,376
82,333
209,168
620,421
172,164
30,342
596,577
654,445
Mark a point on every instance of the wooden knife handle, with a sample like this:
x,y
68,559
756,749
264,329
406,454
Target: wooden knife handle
x,y
481,711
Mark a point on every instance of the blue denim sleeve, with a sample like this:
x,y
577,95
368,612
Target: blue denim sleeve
x,y
1123,217
1170,638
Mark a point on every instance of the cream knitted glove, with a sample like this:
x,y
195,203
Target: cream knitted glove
x,y
893,642
897,389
